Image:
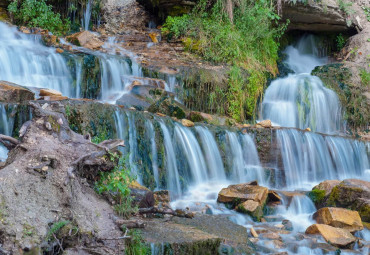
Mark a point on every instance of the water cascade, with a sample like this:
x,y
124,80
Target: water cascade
x,y
87,15
6,127
301,100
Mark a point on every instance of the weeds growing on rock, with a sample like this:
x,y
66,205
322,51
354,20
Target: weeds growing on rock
x,y
248,40
116,183
136,245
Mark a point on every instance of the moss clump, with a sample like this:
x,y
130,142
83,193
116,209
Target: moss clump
x,y
317,195
168,106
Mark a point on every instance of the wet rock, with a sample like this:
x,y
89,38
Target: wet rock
x,y
11,92
252,208
137,81
327,186
339,218
336,236
53,98
273,197
142,196
253,233
287,225
85,39
352,194
187,123
168,106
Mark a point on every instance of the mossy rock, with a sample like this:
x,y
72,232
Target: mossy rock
x,y
168,106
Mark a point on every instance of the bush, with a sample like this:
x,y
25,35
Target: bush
x,y
37,13
248,42
116,183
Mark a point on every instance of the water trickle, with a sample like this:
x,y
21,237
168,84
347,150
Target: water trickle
x,y
87,15
150,135
301,100
6,128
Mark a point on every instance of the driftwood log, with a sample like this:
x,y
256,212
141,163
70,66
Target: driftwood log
x,y
169,211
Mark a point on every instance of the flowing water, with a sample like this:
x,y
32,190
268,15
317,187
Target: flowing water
x,y
6,127
301,100
87,15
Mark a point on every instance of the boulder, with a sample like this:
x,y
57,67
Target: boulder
x,y
50,92
339,218
53,98
136,81
168,106
242,193
187,123
10,92
252,208
314,16
352,194
264,124
327,186
141,195
85,39
341,238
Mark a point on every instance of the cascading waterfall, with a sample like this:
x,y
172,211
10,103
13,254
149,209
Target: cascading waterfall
x,y
87,15
301,100
150,135
6,128
309,158
25,61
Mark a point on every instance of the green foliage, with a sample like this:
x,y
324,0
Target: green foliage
x,y
100,137
116,183
341,41
345,6
55,228
249,43
136,245
367,12
365,77
37,13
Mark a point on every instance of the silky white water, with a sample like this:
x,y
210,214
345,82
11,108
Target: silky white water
x,y
301,100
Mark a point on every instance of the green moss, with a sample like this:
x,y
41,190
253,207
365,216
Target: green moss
x,y
317,195
333,197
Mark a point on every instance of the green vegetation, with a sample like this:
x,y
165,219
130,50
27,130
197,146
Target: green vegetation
x,y
28,230
367,12
245,38
365,77
317,195
116,183
37,13
341,41
136,245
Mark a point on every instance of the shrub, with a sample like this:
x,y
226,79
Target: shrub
x,y
37,13
116,183
248,41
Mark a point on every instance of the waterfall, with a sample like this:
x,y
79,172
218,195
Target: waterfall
x,y
25,61
301,100
87,16
150,135
310,158
6,127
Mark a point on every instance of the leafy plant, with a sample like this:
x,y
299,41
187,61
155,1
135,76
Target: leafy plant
x,y
136,245
367,12
365,77
37,13
341,41
55,228
248,41
116,183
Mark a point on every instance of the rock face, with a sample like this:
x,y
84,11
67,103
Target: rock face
x,y
163,8
10,92
338,237
168,106
85,39
339,218
49,92
314,16
352,193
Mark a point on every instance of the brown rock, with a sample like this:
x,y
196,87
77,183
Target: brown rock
x,y
264,124
85,39
271,235
243,192
140,81
327,186
59,50
162,196
253,208
339,218
187,123
49,92
10,92
336,236
53,98
273,196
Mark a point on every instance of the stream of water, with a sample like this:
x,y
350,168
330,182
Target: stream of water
x,y
194,164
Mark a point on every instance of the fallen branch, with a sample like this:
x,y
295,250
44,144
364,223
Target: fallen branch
x,y
128,224
8,141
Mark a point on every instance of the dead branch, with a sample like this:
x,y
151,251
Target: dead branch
x,y
9,142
